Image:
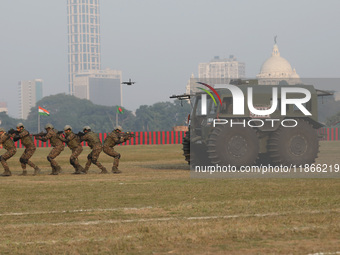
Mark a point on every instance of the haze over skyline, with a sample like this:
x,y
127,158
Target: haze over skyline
x,y
159,44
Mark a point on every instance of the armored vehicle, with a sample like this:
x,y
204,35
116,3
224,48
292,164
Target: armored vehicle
x,y
228,132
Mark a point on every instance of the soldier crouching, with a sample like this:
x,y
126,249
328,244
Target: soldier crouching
x,y
95,144
111,140
8,144
57,144
73,142
30,148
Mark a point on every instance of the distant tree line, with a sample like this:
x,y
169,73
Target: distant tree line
x,y
162,116
329,110
66,109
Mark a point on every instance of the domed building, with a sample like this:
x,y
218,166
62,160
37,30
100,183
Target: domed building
x,y
277,70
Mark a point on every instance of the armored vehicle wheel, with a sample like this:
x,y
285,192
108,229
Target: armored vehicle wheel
x,y
294,145
234,146
198,155
186,146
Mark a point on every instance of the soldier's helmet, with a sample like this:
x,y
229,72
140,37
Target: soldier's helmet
x,y
118,128
67,127
2,130
48,125
86,128
20,125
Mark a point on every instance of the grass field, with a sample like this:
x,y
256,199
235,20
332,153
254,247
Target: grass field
x,y
154,207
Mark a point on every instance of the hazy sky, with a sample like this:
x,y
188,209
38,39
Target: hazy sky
x,y
159,43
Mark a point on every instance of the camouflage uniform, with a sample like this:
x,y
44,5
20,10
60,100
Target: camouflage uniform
x,y
8,144
111,140
95,144
73,142
30,148
58,147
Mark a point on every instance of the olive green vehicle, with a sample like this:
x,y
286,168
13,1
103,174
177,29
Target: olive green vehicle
x,y
272,139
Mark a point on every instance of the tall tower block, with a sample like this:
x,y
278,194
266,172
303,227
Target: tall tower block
x,y
83,22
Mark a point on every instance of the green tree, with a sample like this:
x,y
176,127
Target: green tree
x,y
162,116
66,109
333,120
7,122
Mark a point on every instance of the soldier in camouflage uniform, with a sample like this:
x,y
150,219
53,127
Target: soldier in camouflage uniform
x,y
95,144
57,144
8,144
73,142
111,140
30,148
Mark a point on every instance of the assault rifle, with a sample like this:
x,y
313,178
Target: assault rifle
x,y
127,135
42,134
12,131
80,134
15,133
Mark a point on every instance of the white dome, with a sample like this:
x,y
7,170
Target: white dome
x,y
276,67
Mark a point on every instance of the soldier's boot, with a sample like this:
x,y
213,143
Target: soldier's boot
x,y
115,165
24,173
85,170
36,170
58,169
79,170
115,170
6,173
54,171
104,171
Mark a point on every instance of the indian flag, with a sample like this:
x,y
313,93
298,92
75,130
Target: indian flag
x,y
43,111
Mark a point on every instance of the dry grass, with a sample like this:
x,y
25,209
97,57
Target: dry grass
x,y
154,207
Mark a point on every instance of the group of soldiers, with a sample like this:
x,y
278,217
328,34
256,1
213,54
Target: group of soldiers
x,y
57,140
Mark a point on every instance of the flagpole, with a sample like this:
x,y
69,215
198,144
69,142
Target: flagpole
x,y
38,122
116,118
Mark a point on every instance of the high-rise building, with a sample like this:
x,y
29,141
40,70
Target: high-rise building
x,y
222,69
101,87
217,71
30,92
83,37
3,107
